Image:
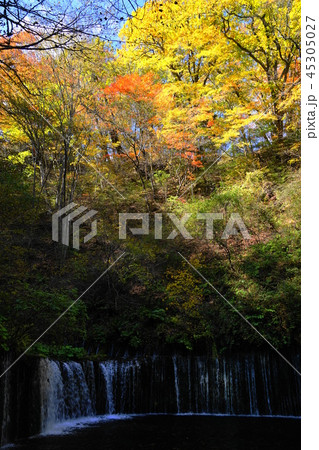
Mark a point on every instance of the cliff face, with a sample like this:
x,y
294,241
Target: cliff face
x,y
19,399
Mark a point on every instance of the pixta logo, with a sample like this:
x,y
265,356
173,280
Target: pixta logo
x,y
234,226
61,225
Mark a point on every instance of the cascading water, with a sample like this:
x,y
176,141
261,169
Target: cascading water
x,y
176,379
51,394
109,372
64,392
248,384
121,384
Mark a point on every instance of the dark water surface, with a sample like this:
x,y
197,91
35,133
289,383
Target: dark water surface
x,y
172,432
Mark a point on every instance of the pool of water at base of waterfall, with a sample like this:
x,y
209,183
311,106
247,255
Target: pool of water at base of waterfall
x,y
170,432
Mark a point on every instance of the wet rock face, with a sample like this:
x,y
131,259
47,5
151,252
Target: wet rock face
x,y
19,399
37,393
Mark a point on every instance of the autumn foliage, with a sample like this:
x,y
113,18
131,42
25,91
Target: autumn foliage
x,y
196,109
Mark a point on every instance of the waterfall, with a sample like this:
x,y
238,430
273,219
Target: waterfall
x,y
243,384
51,394
176,385
265,375
76,391
89,372
251,384
109,370
64,392
120,385
39,393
